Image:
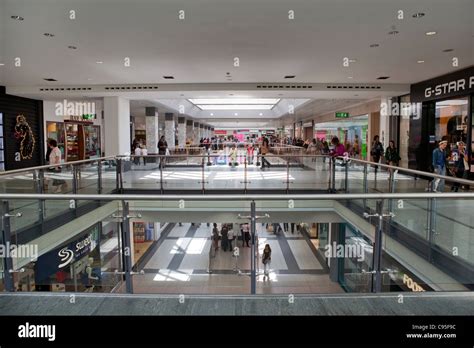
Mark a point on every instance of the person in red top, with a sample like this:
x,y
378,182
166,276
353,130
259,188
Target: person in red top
x,y
250,150
339,149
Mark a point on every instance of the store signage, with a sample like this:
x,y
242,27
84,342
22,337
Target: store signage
x,y
342,115
411,284
63,256
24,134
220,132
456,84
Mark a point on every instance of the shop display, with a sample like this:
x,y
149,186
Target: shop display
x,y
139,232
76,140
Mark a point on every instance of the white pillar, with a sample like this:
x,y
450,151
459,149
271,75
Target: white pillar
x,y
117,126
385,122
190,130
151,130
197,132
170,130
181,132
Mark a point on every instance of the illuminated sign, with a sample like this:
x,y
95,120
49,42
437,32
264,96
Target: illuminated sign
x,y
342,115
411,284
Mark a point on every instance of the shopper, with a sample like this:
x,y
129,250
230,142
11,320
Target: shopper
x,y
138,153
55,159
265,148
144,153
266,259
312,149
215,237
356,147
339,149
439,165
225,239
250,151
230,238
247,235
461,166
233,156
162,149
376,151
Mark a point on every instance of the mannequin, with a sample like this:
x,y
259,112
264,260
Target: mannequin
x,y
89,269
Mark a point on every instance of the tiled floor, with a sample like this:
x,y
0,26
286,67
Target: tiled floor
x,y
181,262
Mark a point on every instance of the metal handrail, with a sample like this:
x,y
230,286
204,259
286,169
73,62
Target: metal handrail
x,y
411,171
241,197
46,166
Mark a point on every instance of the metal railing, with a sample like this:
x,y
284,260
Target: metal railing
x,y
383,215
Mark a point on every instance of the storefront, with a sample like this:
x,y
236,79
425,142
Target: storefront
x,y
349,131
74,266
144,235
77,128
447,109
21,140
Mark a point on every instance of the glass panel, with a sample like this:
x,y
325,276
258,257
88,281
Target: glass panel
x,y
269,178
454,227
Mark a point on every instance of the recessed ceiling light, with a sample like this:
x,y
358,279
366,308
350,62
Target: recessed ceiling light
x,y
48,35
261,114
89,79
212,114
168,77
420,61
448,50
2,64
18,18
374,45
290,76
418,15
349,77
50,79
236,114
72,47
99,62
393,32
430,33
383,77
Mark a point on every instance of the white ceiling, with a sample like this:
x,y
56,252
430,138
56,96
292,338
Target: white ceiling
x,y
201,48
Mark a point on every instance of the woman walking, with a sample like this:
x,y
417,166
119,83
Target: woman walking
x,y
266,259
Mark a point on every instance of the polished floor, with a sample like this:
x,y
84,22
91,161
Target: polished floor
x,y
182,265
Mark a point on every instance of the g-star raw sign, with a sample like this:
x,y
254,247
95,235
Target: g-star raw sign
x,y
452,85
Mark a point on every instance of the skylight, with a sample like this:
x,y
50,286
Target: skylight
x,y
235,103
234,107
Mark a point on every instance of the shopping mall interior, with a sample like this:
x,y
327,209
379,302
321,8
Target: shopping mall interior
x,y
237,150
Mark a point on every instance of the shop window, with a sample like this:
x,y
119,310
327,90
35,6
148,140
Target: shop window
x,y
452,120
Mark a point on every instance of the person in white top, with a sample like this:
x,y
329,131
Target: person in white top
x,y
230,237
144,153
138,153
55,159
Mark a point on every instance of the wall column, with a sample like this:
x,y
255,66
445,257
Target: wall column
x,y
190,131
170,130
197,132
181,132
151,130
117,124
